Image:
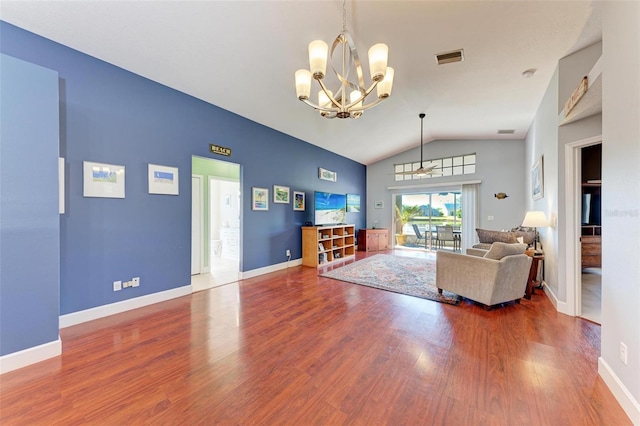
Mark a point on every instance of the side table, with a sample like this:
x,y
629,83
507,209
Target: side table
x,y
532,281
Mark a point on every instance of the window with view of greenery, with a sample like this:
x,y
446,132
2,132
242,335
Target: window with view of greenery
x,y
448,166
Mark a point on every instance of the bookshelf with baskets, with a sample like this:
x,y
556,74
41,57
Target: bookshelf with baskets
x,y
322,245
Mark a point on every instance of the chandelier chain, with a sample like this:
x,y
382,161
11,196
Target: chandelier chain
x,y
344,15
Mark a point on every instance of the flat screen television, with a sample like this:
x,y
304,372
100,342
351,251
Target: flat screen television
x,y
330,208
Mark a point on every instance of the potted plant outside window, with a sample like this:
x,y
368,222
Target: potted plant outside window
x,y
404,216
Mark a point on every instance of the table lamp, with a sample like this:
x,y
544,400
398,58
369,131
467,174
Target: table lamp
x,y
535,219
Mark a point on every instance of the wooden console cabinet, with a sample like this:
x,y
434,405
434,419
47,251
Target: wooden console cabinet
x,y
373,239
322,245
591,251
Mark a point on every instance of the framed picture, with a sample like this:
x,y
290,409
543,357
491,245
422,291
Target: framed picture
x,y
298,201
353,203
102,180
163,180
280,194
378,205
537,179
259,198
325,174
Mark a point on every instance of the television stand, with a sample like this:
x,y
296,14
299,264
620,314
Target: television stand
x,y
326,244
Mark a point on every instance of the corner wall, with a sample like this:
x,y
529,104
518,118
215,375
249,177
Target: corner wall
x,y
29,219
621,202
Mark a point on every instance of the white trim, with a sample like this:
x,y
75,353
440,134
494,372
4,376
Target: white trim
x,y
619,391
271,268
435,185
560,306
573,255
29,356
91,314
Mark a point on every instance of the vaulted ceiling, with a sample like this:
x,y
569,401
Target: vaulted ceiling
x,y
242,55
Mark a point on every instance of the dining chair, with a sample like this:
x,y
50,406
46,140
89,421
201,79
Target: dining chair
x,y
419,235
443,234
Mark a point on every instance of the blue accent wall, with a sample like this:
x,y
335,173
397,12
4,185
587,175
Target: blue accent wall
x,y
110,115
29,220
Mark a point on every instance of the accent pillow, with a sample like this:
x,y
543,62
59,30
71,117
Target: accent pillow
x,y
486,236
499,250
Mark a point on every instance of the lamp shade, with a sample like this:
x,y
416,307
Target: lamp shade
x,y
535,219
384,87
318,50
303,84
378,55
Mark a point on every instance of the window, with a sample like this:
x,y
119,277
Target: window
x,y
449,166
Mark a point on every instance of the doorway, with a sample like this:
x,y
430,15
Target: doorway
x,y
583,290
591,232
219,239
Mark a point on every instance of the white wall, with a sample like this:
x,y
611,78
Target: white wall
x,y
621,200
542,140
500,166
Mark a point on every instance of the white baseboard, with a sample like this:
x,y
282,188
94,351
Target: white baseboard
x,y
271,268
619,391
30,356
91,314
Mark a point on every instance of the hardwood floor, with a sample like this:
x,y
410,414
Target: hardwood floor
x,y
294,348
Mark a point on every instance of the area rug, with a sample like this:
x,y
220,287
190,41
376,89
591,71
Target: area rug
x,y
406,275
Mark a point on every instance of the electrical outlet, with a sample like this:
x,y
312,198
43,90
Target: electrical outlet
x,y
125,284
490,218
117,285
288,253
135,281
623,353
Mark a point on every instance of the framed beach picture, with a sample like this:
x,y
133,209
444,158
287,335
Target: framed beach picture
x,y
281,194
259,198
537,179
353,203
298,201
163,180
102,180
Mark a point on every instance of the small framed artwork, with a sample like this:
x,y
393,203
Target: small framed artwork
x,y
537,179
281,194
353,203
163,180
259,198
325,174
102,180
298,201
378,205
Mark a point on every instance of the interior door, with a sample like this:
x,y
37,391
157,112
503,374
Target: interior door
x,y
196,225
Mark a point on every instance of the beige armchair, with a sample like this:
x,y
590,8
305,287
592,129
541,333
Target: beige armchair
x,y
497,277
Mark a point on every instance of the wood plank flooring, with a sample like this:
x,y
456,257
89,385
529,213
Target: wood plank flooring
x,y
294,348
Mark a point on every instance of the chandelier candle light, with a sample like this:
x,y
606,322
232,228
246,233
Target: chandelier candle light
x,y
340,104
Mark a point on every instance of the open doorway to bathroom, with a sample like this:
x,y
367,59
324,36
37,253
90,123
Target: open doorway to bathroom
x,y
218,241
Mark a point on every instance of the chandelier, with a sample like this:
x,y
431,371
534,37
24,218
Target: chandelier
x,y
348,100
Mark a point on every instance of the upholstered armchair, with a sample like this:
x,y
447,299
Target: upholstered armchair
x,y
497,277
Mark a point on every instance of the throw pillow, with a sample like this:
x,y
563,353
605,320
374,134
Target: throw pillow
x,y
486,236
499,250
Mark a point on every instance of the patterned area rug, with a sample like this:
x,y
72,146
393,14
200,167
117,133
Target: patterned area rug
x,y
406,275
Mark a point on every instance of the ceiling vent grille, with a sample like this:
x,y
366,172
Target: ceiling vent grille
x,y
449,57
506,131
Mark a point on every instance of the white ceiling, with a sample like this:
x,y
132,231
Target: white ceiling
x,y
242,55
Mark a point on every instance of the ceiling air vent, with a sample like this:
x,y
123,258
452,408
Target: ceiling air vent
x,y
449,57
506,131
